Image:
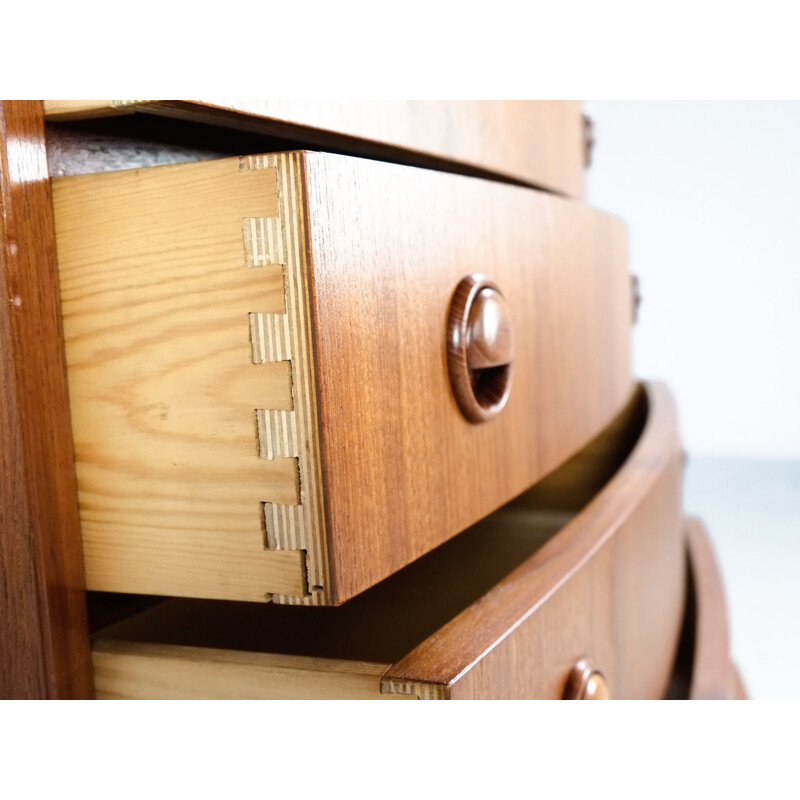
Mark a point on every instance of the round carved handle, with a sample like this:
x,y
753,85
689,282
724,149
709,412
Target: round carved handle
x,y
585,682
480,348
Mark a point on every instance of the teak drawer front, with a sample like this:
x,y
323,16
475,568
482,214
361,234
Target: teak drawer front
x,y
328,451
608,587
538,142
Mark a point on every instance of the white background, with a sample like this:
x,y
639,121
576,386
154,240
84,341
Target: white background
x,y
711,194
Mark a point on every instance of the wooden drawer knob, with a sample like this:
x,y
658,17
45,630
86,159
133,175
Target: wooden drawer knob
x,y
480,348
585,682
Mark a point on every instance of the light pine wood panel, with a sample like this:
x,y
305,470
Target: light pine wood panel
x,y
174,282
134,671
609,588
537,142
403,468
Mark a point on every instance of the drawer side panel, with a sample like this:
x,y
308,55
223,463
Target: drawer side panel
x,y
185,320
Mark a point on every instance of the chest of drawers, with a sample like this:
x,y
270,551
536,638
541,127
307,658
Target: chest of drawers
x,y
303,414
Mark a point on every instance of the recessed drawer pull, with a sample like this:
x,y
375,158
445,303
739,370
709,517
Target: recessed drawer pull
x,y
480,348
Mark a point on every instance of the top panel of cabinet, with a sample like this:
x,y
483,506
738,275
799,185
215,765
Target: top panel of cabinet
x,y
539,143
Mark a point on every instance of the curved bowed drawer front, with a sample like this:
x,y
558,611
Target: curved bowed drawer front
x,y
586,571
258,371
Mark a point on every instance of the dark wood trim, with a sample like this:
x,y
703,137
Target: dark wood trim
x,y
43,624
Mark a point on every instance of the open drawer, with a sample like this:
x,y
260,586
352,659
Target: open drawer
x,y
270,357
586,567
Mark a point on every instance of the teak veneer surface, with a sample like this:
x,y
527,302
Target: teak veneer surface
x,y
540,143
44,643
605,582
340,271
402,467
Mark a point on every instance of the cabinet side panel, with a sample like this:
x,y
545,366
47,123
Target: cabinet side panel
x,y
43,625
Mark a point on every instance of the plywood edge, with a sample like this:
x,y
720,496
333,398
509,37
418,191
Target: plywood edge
x,y
713,675
132,670
415,689
453,650
301,526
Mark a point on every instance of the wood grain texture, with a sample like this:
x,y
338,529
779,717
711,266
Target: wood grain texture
x,y
184,319
403,469
134,671
43,626
540,143
609,588
714,677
